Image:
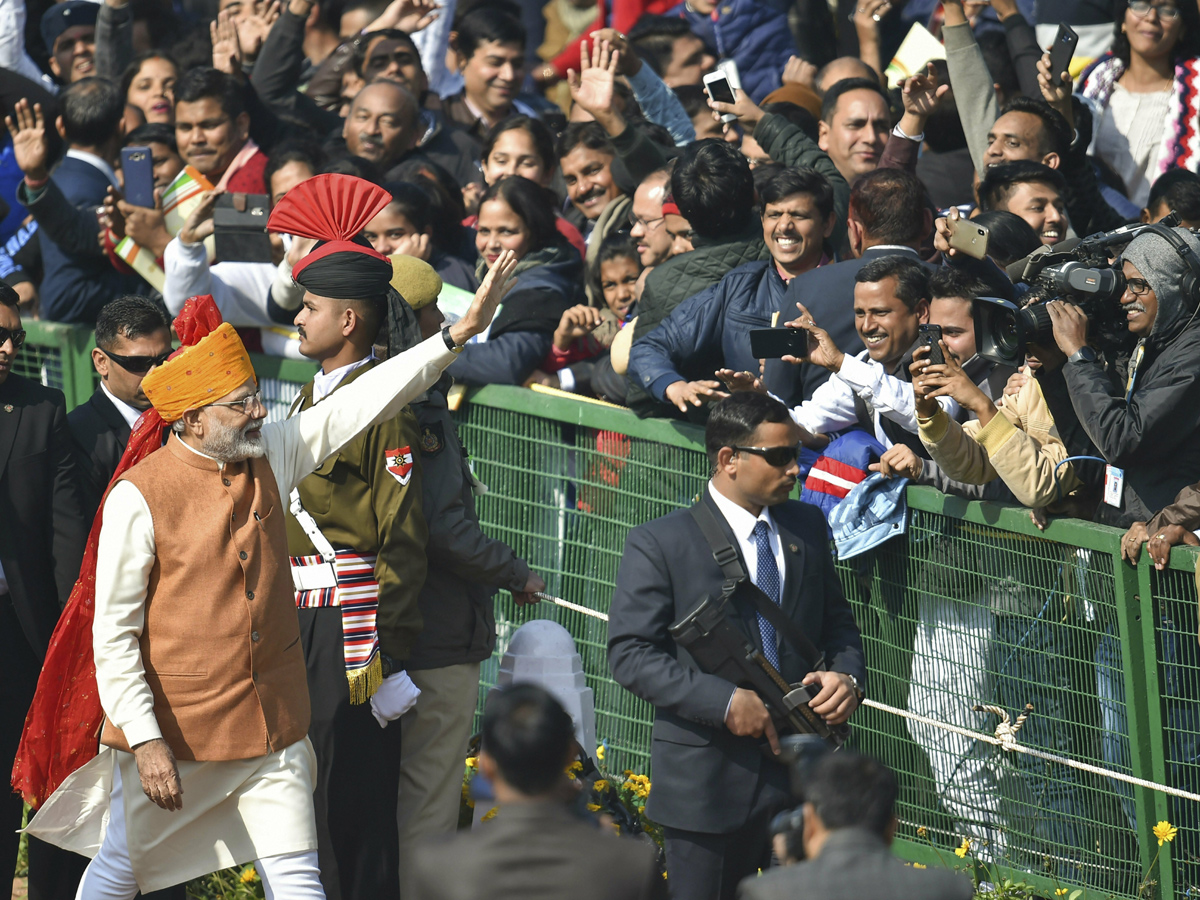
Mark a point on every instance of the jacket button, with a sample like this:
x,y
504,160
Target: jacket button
x,y
249,595
254,636
254,675
242,555
226,482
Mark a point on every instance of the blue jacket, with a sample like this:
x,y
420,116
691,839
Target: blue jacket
x,y
711,330
523,331
78,278
752,34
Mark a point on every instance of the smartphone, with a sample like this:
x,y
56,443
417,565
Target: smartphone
x,y
967,236
137,165
928,336
772,343
1062,52
720,90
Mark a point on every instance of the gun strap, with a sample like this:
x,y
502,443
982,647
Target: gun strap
x,y
727,558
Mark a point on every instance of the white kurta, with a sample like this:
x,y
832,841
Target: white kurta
x,y
233,811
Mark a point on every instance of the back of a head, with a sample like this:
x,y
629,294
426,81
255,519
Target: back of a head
x,y
1178,190
733,420
890,206
850,790
653,39
346,164
129,317
152,133
797,115
1056,132
713,188
92,109
1009,236
1002,179
487,23
204,82
836,90
529,735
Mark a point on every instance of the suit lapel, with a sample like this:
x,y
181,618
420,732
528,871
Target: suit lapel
x,y
793,570
9,422
746,612
111,416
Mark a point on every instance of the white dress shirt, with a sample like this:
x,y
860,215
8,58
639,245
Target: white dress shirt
x,y
742,523
325,383
129,413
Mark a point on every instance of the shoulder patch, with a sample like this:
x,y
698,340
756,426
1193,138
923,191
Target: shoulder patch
x,y
433,439
400,463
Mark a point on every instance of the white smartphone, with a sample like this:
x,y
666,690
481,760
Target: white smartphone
x,y
721,91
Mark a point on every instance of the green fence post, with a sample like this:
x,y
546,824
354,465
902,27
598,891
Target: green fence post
x,y
78,372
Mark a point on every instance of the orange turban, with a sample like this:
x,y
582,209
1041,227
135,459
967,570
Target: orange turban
x,y
200,374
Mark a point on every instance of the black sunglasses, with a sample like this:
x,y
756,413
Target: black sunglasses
x,y
779,457
138,365
17,335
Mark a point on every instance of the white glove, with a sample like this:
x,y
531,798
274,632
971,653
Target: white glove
x,y
396,696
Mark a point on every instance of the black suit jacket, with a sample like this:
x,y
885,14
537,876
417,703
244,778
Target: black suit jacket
x,y
828,293
704,776
99,434
42,528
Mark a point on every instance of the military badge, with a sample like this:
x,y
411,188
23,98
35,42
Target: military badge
x,y
432,439
400,464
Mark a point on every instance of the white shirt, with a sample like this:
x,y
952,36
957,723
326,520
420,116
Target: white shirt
x,y
831,407
742,523
324,383
1130,137
129,413
96,162
294,448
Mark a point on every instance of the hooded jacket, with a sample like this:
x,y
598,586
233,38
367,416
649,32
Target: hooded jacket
x,y
548,283
1148,428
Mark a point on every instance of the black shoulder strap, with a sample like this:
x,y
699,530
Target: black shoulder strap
x,y
727,558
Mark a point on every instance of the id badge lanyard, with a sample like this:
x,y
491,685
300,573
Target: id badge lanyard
x,y
1114,478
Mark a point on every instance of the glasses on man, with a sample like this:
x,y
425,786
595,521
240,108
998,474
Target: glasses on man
x,y
1137,286
1142,8
779,457
17,336
247,404
645,223
138,365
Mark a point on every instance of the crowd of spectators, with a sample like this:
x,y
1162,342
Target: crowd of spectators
x,y
654,228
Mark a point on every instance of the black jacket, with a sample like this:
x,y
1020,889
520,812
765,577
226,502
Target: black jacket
x,y
466,567
99,434
705,777
42,528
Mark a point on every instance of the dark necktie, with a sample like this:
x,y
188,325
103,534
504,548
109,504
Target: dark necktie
x,y
768,583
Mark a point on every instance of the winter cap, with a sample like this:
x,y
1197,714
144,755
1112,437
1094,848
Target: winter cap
x,y
1163,267
62,16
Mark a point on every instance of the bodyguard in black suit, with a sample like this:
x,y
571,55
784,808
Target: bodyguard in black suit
x,y
133,334
715,787
42,532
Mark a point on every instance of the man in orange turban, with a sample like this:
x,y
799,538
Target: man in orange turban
x,y
198,662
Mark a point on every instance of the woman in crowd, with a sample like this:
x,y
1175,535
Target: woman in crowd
x,y
149,84
406,226
1143,92
516,214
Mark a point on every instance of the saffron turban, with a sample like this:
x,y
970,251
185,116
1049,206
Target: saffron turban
x,y
202,373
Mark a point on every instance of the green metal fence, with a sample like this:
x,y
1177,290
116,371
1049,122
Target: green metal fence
x,y
974,606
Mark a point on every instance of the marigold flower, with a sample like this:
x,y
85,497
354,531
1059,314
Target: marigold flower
x,y
601,785
600,753
921,831
490,814
1165,832
1060,892
472,762
593,807
918,865
575,768
249,875
962,850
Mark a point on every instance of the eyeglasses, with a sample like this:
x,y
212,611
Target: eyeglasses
x,y
1143,7
645,223
779,457
1137,286
17,336
138,365
247,404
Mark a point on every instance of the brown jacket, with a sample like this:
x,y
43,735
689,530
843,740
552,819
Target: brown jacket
x,y
221,642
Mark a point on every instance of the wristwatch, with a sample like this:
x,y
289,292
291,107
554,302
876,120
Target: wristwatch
x,y
450,345
1083,354
390,666
858,691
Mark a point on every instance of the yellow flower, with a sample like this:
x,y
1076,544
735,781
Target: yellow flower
x,y
490,814
918,865
600,753
249,875
593,807
921,831
1165,832
575,768
472,762
601,785
1060,892
664,876
962,850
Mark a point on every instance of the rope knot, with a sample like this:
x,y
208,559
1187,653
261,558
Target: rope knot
x,y
1006,730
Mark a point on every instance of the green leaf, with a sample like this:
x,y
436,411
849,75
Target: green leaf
x,y
1076,894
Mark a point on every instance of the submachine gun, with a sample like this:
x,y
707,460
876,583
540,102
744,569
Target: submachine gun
x,y
709,633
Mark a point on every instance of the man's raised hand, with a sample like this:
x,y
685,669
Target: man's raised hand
x,y
822,350
592,87
27,126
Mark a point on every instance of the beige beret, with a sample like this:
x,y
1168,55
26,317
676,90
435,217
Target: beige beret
x,y
415,279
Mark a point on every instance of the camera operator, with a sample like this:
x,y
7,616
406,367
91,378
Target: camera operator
x,y
849,821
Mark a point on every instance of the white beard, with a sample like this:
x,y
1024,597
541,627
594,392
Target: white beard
x,y
229,445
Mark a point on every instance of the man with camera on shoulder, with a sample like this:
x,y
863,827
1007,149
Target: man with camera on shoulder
x,y
715,750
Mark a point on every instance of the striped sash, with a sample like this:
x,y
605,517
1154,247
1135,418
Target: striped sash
x,y
357,593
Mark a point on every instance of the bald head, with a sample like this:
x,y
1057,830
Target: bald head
x,y
383,123
841,68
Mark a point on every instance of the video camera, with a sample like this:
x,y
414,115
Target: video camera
x,y
1082,275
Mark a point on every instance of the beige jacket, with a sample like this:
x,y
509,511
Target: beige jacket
x,y
1021,446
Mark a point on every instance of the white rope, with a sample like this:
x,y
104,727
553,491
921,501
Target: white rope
x,y
1005,736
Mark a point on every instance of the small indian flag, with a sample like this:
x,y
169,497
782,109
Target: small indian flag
x,y
141,261
181,197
